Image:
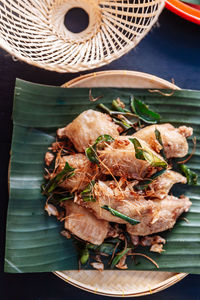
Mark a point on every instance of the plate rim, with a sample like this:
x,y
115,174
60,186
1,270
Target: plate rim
x,y
183,10
154,79
159,287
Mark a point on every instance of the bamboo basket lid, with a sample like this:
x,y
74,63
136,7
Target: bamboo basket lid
x,y
34,31
120,283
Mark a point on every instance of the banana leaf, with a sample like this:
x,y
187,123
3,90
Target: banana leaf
x,y
33,240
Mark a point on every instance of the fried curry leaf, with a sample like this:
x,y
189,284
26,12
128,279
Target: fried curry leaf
x,y
66,172
117,258
91,151
120,215
116,106
190,175
122,123
146,154
143,184
143,112
57,198
87,193
123,117
139,152
106,248
159,139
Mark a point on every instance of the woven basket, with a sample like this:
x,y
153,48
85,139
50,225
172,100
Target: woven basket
x,y
34,31
120,283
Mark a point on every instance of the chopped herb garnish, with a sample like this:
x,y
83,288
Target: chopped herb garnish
x,y
117,258
191,176
120,215
159,139
143,184
146,154
91,151
143,112
66,172
87,193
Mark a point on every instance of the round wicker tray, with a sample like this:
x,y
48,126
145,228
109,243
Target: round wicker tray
x,y
120,283
34,31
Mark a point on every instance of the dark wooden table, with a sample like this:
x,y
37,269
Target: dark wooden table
x,y
171,50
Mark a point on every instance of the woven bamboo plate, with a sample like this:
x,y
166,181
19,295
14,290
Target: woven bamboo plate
x,y
120,283
34,31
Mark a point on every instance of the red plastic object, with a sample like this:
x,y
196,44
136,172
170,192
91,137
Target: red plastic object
x,y
186,11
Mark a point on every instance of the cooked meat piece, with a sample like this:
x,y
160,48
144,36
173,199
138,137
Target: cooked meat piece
x,y
161,186
174,139
135,239
168,210
87,127
114,231
157,248
185,131
119,159
49,157
105,194
85,225
152,240
98,266
85,171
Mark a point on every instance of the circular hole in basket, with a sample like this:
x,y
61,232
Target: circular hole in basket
x,y
76,20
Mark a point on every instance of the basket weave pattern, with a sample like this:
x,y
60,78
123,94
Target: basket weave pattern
x,y
34,31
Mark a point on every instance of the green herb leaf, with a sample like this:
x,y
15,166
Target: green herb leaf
x,y
120,215
122,117
139,152
143,184
113,240
104,108
191,176
116,106
146,154
123,124
106,248
143,112
92,246
66,172
87,193
57,198
159,139
84,256
117,258
91,151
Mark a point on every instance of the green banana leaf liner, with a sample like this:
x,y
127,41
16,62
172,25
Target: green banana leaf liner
x,y
33,239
